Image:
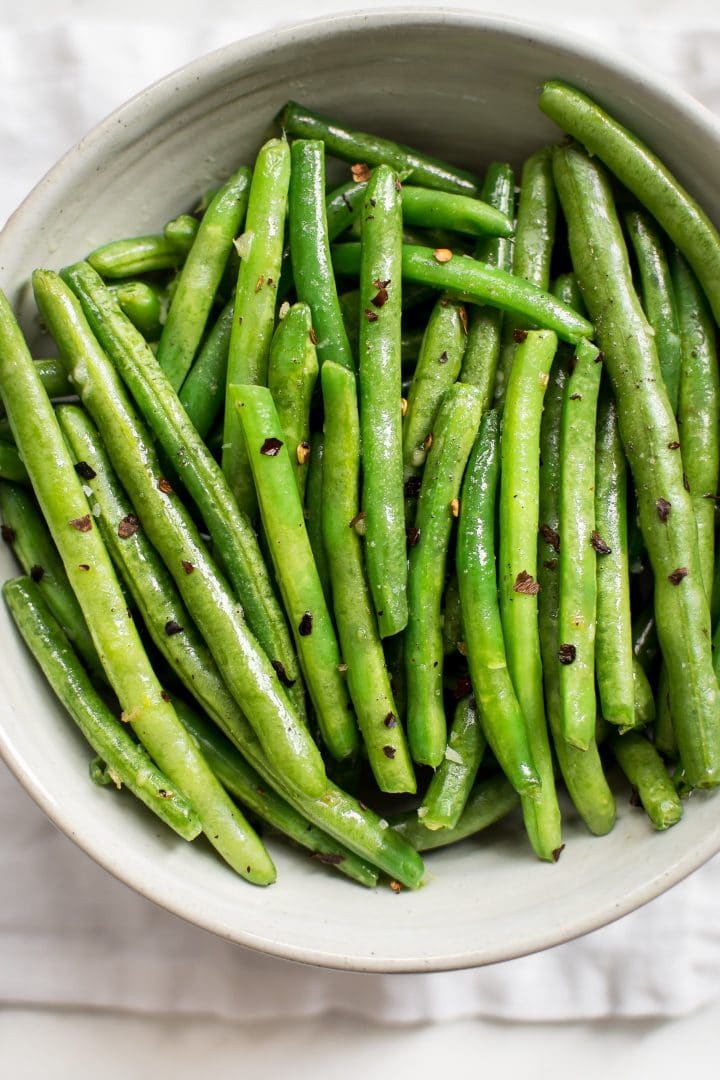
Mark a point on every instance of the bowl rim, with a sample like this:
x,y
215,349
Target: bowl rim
x,y
172,85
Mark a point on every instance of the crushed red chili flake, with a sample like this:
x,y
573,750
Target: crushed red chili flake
x,y
550,537
82,524
187,566
165,486
327,857
677,575
455,507
443,358
302,452
389,751
519,335
259,283
526,584
663,509
282,673
305,626
550,564
382,293
442,255
390,720
313,335
85,471
37,572
674,445
8,534
164,695
396,886
557,852
599,544
461,647
172,626
360,172
360,516
128,526
576,397
83,566
371,316
271,447
412,487
462,687
567,653
398,185
427,441
413,535
464,320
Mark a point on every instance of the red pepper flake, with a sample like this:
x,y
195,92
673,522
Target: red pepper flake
x,y
550,537
557,852
455,507
259,283
599,544
165,486
462,687
677,575
282,673
576,397
663,509
412,487
271,447
128,526
187,566
382,293
413,535
327,857
550,564
370,315
427,441
172,626
389,751
674,445
461,647
526,584
37,572
83,566
396,886
398,185
302,452
567,653
313,335
443,358
519,335
164,695
390,720
442,255
360,516
305,626
82,524
8,534
462,312
85,471
360,172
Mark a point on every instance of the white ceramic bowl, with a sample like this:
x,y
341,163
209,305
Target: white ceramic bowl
x,y
464,87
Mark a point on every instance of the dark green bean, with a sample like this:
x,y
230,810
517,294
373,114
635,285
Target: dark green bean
x,y
459,213
12,467
203,392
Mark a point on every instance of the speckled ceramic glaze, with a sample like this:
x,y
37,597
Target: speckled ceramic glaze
x,y
464,87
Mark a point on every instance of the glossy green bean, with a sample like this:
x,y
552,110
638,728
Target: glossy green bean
x,y
313,511
459,213
292,374
138,255
142,304
12,467
644,768
182,230
203,392
489,801
450,787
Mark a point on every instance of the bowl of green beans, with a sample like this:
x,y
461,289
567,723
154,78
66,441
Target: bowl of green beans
x,y
358,479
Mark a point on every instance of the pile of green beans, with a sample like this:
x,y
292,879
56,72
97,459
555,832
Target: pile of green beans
x,y
415,538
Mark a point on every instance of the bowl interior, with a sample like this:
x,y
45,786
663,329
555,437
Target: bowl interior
x,y
463,87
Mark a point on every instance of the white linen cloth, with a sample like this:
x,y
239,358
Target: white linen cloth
x,y
70,935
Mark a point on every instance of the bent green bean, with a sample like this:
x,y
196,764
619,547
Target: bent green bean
x,y
644,768
459,213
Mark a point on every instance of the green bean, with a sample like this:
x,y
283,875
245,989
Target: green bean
x,y
313,511
459,213
139,255
200,278
116,639
189,658
438,366
643,700
283,521
469,279
658,296
532,248
235,541
455,427
254,313
203,392
310,252
182,230
410,337
250,676
649,433
644,174
127,762
342,206
489,801
12,467
367,676
614,645
517,571
500,714
380,400
356,146
482,350
644,768
699,409
582,770
246,785
292,374
450,787
142,305
54,377
25,528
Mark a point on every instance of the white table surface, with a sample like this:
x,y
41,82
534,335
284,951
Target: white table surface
x,y
63,1043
